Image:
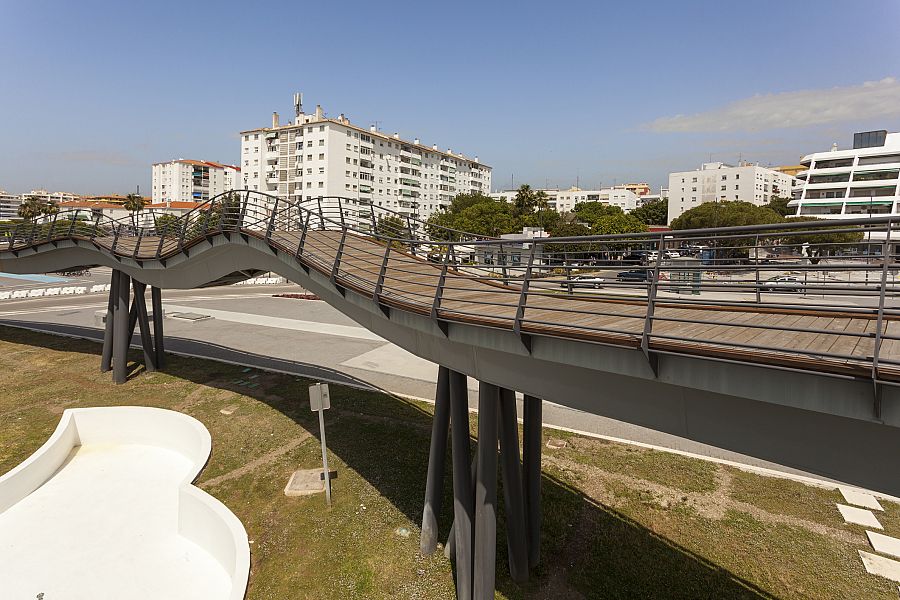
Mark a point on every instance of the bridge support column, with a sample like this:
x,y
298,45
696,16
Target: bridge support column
x,y
463,498
531,459
486,492
121,337
434,484
140,304
106,356
512,487
158,340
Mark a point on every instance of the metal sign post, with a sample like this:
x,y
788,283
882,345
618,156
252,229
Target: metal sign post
x,y
320,401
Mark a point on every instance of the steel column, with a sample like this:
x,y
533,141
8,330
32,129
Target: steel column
x,y
531,459
144,324
463,499
434,483
121,331
485,551
512,487
157,309
106,356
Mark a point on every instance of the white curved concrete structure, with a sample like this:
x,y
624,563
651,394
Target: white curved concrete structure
x,y
106,509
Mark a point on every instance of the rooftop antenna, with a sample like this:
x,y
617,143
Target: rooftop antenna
x,y
377,125
298,104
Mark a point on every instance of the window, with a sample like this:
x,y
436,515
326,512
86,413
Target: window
x,y
321,184
309,157
723,188
321,170
309,143
322,142
308,184
724,177
321,157
321,128
737,175
737,187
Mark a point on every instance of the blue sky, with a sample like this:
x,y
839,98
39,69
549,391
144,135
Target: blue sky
x,y
92,93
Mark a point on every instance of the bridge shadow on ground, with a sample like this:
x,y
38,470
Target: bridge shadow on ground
x,y
588,550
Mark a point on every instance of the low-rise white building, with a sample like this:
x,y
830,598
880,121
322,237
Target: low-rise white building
x,y
565,200
316,156
851,183
185,180
718,182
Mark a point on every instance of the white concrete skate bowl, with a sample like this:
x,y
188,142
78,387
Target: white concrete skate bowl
x,y
106,509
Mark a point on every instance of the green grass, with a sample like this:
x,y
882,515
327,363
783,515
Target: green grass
x,y
619,521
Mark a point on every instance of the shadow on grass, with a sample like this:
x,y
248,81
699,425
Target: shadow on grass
x,y
588,549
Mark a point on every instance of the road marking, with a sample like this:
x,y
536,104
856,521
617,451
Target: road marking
x,y
280,322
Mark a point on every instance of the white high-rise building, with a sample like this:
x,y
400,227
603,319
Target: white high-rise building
x,y
319,156
565,200
852,183
192,180
718,182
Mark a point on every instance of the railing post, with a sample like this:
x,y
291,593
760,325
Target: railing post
x,y
412,244
116,229
271,226
382,272
321,215
439,290
183,232
52,225
303,235
523,294
885,255
96,226
338,256
159,247
71,225
756,265
341,212
374,224
137,245
651,305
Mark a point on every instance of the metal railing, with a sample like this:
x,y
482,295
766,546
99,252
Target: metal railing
x,y
809,295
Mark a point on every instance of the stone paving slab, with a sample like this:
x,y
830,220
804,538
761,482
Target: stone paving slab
x,y
858,498
881,566
859,516
884,544
305,482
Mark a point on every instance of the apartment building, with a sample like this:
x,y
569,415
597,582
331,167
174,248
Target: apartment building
x,y
718,182
317,156
859,181
565,200
185,180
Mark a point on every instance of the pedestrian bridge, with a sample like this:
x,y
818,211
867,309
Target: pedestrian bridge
x,y
698,340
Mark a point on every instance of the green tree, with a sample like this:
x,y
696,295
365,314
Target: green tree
x,y
461,202
617,224
655,212
821,243
780,205
525,201
487,219
167,224
725,214
567,250
33,207
589,212
134,204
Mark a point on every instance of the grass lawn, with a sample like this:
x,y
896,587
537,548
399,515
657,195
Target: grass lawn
x,y
619,521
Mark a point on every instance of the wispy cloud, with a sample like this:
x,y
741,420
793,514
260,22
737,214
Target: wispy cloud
x,y
792,109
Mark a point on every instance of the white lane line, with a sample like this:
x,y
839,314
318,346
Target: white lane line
x,y
280,323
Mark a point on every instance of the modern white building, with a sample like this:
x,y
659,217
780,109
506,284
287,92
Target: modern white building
x,y
718,182
565,200
316,156
9,205
859,181
192,180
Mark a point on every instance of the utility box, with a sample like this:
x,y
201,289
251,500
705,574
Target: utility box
x,y
686,275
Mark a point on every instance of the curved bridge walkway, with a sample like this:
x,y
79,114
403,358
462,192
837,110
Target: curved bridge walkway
x,y
802,370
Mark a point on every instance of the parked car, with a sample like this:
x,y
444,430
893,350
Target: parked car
x,y
583,281
671,254
781,283
633,275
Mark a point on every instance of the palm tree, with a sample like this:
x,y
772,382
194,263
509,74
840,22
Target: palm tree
x,y
134,204
31,208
